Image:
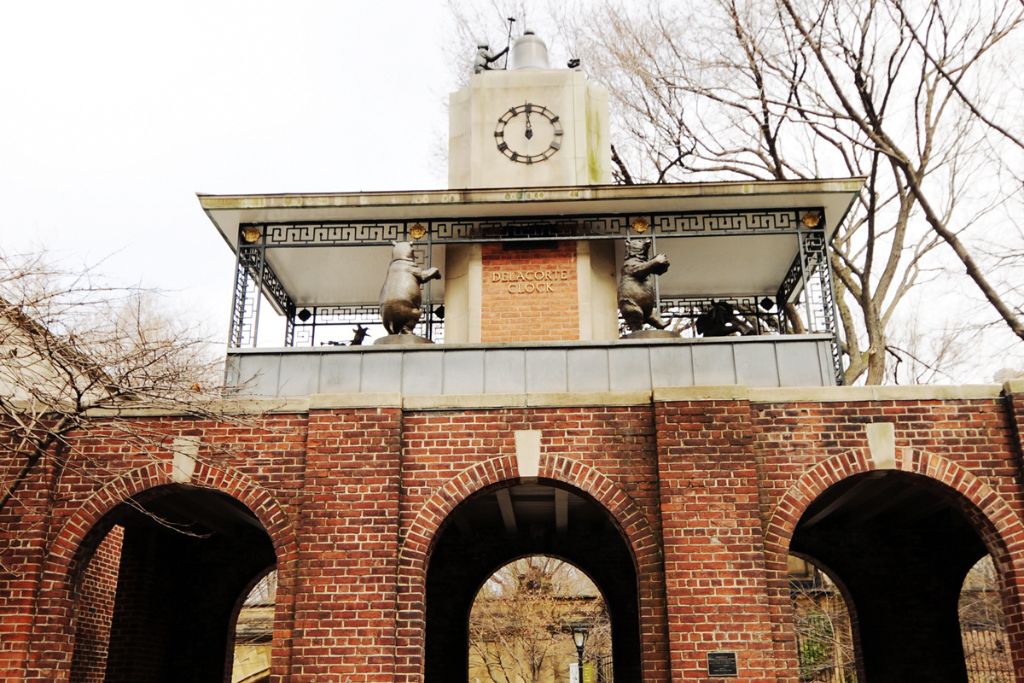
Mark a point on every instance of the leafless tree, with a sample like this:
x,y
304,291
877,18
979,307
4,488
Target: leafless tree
x,y
825,639
520,625
75,353
822,623
918,98
983,625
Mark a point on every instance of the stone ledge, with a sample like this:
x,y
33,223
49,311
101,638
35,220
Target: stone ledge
x,y
600,398
727,392
920,392
1014,386
303,404
368,400
463,401
246,406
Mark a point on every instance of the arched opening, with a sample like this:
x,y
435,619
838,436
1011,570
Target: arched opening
x,y
254,630
900,544
522,620
822,623
509,521
983,625
157,582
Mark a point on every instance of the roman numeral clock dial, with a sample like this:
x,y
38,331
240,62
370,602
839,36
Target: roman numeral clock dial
x,y
528,133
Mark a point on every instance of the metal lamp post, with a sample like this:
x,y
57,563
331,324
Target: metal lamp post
x,y
579,638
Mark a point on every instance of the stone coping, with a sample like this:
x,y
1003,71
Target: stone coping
x,y
498,346
255,406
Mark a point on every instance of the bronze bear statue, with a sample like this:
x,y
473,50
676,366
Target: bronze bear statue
x,y
400,297
636,291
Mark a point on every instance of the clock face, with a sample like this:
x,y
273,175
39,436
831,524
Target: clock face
x,y
528,133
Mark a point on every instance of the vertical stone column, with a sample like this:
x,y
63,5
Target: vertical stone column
x,y
345,597
715,583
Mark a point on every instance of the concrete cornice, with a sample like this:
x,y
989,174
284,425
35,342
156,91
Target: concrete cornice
x,y
227,212
459,198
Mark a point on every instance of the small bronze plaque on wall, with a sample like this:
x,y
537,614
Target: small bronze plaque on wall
x,y
722,664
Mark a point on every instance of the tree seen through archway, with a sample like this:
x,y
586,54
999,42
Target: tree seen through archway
x,y
253,632
983,626
520,626
822,625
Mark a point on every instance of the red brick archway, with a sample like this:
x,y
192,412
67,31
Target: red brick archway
x,y
999,528
418,542
55,633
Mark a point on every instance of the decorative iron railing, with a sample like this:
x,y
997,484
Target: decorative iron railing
x,y
804,301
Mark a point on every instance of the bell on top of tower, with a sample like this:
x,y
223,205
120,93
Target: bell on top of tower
x,y
529,52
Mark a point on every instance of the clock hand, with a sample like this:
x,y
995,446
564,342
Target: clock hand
x,y
529,128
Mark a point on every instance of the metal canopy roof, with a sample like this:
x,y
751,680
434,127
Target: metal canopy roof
x,y
710,265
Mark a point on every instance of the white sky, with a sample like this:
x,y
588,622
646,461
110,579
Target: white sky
x,y
114,113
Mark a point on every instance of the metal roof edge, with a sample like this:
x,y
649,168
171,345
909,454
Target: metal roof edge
x,y
218,202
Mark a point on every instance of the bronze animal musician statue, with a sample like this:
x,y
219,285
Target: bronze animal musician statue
x,y
400,297
636,288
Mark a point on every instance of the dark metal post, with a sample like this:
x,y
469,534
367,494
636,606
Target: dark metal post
x,y
579,639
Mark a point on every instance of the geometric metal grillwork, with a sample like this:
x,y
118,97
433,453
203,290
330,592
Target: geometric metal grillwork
x,y
819,293
254,275
336,325
806,298
518,228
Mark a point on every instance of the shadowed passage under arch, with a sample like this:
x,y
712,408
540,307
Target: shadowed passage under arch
x,y
512,520
169,567
901,545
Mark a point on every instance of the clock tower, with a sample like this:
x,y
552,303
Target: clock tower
x,y
525,129
528,125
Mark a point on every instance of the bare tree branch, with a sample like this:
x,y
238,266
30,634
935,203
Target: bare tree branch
x,y
76,353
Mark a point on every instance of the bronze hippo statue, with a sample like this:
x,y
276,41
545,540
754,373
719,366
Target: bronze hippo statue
x,y
400,297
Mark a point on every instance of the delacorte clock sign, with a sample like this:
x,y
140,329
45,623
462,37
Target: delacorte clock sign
x,y
528,133
537,281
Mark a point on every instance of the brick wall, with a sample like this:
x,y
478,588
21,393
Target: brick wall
x,y
1015,404
707,493
802,448
529,294
94,609
348,548
23,532
714,560
457,453
257,460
